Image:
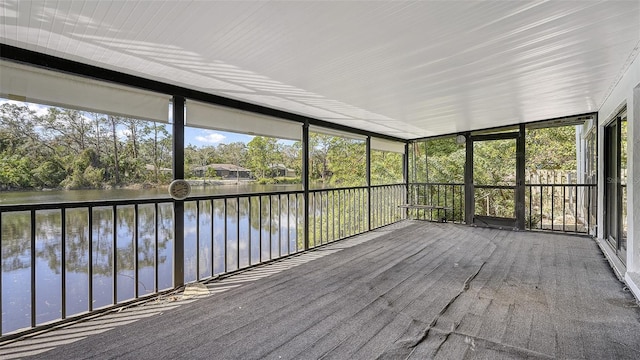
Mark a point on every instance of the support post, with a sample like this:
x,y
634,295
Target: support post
x,y
178,206
469,201
368,155
305,181
405,173
520,178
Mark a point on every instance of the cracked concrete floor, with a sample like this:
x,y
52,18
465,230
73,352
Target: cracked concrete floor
x,y
422,291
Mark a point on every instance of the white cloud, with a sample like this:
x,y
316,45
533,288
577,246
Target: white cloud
x,y
40,110
123,134
211,137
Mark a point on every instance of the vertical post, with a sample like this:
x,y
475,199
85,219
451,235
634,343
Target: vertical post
x,y
226,254
90,260
520,175
136,235
368,157
259,228
178,206
305,181
114,231
405,174
33,268
155,247
469,201
63,262
213,237
198,240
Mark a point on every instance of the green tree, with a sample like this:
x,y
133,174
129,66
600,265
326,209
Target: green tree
x,y
234,153
157,149
386,167
438,160
347,162
551,148
262,154
319,145
85,172
113,122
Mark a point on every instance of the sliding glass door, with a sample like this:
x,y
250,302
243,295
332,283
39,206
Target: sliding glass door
x,y
615,184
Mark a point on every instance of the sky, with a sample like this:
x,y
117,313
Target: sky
x,y
205,137
192,136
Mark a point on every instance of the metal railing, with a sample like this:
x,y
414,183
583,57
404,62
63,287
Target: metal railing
x,y
67,260
561,207
336,214
64,261
550,207
447,195
385,200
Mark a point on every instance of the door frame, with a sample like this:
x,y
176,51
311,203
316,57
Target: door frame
x,y
613,184
517,223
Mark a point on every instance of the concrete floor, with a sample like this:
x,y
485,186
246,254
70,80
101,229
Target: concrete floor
x,y
416,290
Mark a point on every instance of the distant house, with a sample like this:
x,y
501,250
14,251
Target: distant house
x,y
150,167
224,171
279,170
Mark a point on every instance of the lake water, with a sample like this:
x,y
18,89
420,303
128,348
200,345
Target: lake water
x,y
39,197
232,233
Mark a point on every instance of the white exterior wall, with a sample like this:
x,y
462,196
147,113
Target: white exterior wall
x,y
626,92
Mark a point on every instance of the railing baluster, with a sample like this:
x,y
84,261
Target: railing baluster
x,y
279,226
114,212
340,214
63,262
213,237
260,227
541,212
351,208
387,218
326,215
33,268
575,214
197,240
226,254
553,195
589,210
347,213
530,207
135,250
270,229
453,203
564,203
156,237
90,260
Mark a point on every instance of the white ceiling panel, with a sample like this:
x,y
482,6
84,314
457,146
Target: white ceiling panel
x,y
409,69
